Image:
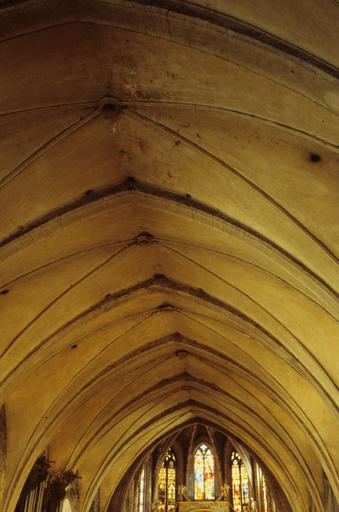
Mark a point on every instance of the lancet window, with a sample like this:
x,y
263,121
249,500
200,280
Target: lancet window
x,y
204,485
167,483
240,485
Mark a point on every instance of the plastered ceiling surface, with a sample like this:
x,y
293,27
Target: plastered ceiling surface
x,y
169,194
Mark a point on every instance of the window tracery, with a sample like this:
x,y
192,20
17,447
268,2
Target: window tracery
x,y
167,483
162,479
204,487
240,484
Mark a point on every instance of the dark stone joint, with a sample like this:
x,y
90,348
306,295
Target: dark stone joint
x,y
144,238
166,307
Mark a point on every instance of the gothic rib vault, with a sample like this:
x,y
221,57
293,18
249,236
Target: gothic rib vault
x,y
169,198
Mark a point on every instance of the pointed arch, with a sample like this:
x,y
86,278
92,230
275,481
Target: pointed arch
x,y
167,482
204,472
240,482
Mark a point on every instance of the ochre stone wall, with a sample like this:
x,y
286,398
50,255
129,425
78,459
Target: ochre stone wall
x,y
169,234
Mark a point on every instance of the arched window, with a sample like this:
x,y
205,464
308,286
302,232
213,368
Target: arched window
x,y
140,493
167,483
204,473
240,487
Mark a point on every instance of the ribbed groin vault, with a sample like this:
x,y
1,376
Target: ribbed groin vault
x,y
169,195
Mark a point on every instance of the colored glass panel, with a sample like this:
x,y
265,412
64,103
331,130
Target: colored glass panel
x,y
240,485
244,484
167,483
204,473
236,487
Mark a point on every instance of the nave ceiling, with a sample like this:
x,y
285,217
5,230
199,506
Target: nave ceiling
x,y
169,234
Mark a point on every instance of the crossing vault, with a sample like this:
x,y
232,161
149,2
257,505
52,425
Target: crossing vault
x,y
169,195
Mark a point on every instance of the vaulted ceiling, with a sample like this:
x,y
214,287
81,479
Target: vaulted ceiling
x,y
169,196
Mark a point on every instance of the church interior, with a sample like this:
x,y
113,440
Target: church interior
x,y
169,191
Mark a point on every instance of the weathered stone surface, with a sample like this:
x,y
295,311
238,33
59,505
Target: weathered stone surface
x,y
169,234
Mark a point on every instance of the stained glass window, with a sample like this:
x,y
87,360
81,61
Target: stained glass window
x,y
140,493
204,473
240,486
167,483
